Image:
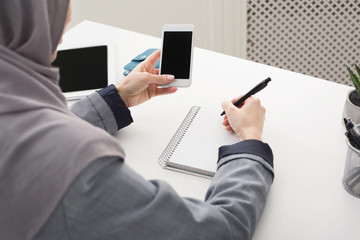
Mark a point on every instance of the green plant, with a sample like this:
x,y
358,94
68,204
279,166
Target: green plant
x,y
354,78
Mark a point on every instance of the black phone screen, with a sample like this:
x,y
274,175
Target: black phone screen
x,y
82,68
176,54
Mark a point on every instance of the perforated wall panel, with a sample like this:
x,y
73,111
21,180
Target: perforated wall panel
x,y
312,37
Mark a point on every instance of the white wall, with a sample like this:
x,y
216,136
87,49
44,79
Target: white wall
x,y
220,25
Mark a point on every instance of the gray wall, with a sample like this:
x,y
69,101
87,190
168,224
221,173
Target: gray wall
x,y
220,25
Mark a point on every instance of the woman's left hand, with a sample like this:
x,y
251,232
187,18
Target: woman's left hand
x,y
143,82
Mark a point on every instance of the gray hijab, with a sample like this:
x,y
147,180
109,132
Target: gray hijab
x,y
43,147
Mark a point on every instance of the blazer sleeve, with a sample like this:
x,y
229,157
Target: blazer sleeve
x,y
110,201
104,109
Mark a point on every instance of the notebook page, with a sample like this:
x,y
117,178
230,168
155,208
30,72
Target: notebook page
x,y
199,146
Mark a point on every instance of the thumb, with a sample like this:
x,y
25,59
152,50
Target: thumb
x,y
152,59
158,79
228,106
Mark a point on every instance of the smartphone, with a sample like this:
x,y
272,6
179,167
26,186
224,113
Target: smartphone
x,y
176,53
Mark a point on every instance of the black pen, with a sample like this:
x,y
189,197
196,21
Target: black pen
x,y
352,140
256,89
352,132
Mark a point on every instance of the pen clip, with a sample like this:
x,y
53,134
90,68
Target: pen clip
x,y
260,86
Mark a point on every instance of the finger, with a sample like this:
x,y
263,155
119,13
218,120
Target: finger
x,y
157,71
157,79
229,128
228,106
240,105
251,101
153,58
256,100
226,123
165,91
225,117
237,98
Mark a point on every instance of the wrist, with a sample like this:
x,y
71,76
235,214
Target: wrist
x,y
121,94
250,134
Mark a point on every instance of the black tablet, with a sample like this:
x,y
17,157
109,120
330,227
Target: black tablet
x,y
85,69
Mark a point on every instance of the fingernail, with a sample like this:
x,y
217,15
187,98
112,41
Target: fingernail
x,y
170,77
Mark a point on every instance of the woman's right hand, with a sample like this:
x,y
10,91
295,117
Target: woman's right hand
x,y
247,121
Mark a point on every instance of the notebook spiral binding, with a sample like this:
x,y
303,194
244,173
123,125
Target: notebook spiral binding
x,y
176,139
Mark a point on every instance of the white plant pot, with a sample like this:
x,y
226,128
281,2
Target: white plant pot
x,y
351,110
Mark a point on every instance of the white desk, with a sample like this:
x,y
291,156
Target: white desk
x,y
303,127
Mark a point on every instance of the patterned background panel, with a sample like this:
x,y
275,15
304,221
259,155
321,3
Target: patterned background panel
x,y
313,37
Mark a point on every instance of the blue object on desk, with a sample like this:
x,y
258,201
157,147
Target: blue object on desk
x,y
138,59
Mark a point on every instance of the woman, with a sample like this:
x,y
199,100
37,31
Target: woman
x,y
63,178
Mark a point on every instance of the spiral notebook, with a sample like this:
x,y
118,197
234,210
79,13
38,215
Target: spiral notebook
x,y
194,147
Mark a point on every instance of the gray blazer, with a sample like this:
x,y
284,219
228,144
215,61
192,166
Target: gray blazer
x,y
109,200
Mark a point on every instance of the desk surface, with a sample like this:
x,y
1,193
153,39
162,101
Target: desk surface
x,y
303,127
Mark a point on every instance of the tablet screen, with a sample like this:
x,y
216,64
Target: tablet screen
x,y
82,68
